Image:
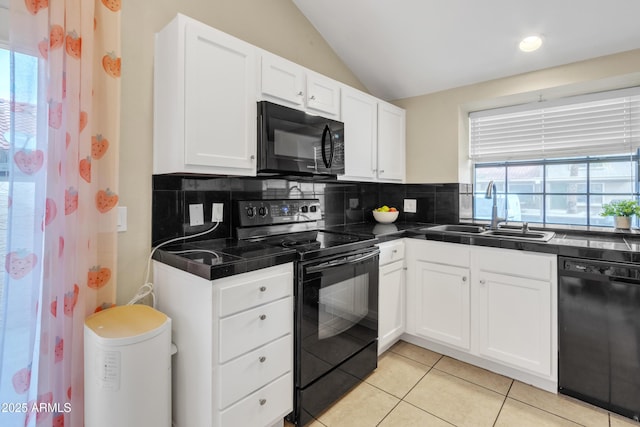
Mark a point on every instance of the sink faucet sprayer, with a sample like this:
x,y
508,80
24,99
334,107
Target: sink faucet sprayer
x,y
491,194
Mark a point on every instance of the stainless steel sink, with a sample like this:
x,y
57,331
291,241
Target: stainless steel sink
x,y
543,236
505,233
457,228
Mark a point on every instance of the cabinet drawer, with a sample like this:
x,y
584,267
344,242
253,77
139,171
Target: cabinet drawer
x,y
253,328
252,371
444,253
391,251
530,265
263,288
262,407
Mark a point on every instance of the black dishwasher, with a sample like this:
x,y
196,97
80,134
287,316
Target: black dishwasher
x,y
599,333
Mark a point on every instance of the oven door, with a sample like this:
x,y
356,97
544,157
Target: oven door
x,y
337,309
291,141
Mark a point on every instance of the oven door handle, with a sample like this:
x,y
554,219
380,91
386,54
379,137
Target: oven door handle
x,y
339,262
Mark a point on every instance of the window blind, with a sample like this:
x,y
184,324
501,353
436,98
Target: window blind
x,y
590,125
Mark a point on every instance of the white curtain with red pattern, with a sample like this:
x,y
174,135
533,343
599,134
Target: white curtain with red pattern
x,y
59,197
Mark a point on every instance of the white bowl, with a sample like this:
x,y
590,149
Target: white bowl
x,y
385,217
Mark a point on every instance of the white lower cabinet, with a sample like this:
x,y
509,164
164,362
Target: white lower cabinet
x,y
234,364
496,308
439,301
516,294
391,294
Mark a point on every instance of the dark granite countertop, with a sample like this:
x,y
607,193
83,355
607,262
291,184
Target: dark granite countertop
x,y
383,232
218,258
607,246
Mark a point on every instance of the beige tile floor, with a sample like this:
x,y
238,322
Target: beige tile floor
x,y
416,387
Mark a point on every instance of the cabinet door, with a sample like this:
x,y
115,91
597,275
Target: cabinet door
x,y
442,298
282,81
323,95
391,304
514,320
391,143
220,108
359,114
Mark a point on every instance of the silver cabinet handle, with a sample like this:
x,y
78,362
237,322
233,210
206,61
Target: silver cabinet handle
x,y
464,278
482,281
312,97
262,402
263,316
300,93
263,288
395,251
252,157
374,170
381,171
262,359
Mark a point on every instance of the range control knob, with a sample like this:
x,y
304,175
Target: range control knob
x,y
304,209
251,211
313,208
262,211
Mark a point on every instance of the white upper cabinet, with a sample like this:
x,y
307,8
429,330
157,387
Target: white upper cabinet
x,y
287,83
282,81
391,143
204,101
360,117
374,138
323,95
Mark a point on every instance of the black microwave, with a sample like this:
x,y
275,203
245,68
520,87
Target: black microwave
x,y
292,142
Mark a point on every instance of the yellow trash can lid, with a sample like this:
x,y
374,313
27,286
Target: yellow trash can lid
x,y
126,321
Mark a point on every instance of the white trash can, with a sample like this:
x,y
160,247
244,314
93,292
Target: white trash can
x,y
127,368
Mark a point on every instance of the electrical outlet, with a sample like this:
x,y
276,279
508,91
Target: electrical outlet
x,y
217,210
410,205
196,214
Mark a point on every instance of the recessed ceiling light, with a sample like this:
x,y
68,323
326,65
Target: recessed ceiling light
x,y
531,43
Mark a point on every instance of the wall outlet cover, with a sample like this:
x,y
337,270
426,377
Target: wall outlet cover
x,y
217,212
196,214
410,205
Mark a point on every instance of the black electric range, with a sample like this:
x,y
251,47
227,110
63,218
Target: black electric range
x,y
336,299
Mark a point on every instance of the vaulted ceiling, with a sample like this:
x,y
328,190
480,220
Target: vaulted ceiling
x,y
406,48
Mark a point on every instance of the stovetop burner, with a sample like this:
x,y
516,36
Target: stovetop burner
x,y
293,224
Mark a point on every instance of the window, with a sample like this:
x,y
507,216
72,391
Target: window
x,y
559,162
21,134
563,191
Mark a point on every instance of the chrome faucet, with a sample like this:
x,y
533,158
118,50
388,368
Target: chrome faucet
x,y
491,194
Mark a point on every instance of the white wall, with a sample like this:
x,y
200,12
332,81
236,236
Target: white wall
x,y
437,133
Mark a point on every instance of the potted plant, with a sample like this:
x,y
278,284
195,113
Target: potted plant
x,y
621,211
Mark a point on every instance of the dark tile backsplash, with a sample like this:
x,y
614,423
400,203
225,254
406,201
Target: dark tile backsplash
x,y
342,202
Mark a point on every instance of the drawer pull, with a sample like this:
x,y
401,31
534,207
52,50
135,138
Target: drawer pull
x,y
262,402
263,316
263,288
395,251
262,359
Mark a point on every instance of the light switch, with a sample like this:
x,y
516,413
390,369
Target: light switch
x,y
122,218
